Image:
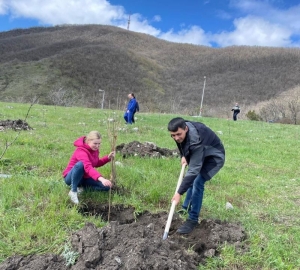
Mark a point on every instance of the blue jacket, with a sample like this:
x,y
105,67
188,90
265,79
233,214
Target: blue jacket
x,y
131,105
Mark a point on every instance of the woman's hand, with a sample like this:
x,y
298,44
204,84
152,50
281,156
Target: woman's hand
x,y
105,182
111,155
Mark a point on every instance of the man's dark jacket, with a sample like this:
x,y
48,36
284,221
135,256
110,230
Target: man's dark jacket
x,y
204,153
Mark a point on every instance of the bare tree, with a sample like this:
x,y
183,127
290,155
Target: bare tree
x,y
175,102
281,107
264,114
269,112
57,96
112,128
294,106
63,97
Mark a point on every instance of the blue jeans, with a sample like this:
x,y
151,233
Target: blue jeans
x,y
75,179
128,117
194,197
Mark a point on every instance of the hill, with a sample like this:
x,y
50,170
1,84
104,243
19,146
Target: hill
x,y
67,65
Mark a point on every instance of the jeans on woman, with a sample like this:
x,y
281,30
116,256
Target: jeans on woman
x,y
194,197
75,179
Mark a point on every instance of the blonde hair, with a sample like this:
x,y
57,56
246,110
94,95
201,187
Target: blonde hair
x,y
93,135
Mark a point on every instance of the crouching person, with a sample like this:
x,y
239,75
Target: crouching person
x,y
80,172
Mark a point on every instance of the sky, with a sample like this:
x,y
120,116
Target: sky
x,y
213,23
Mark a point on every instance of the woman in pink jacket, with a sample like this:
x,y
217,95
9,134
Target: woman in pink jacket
x,y
81,171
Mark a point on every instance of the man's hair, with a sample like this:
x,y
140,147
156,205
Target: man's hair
x,y
176,123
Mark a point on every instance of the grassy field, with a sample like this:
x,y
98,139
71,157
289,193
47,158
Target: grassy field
x,y
261,179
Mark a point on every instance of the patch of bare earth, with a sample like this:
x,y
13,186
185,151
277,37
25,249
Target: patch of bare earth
x,y
135,242
14,124
147,149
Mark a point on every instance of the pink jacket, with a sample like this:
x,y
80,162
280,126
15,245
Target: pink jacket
x,y
89,158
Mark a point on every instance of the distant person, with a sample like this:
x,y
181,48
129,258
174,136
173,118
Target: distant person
x,y
131,109
81,172
236,110
204,154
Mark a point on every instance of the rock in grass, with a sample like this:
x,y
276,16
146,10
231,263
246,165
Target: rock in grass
x,y
228,206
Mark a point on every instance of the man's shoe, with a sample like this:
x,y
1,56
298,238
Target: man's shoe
x,y
187,226
73,196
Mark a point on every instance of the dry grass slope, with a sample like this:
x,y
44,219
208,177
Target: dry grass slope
x,y
73,62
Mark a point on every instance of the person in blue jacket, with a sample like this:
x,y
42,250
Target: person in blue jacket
x,y
131,109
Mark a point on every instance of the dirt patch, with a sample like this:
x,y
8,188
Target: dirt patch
x,y
14,124
147,149
135,242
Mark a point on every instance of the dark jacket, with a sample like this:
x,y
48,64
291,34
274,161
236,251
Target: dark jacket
x,y
204,153
236,109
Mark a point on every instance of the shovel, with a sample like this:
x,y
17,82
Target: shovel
x,y
173,204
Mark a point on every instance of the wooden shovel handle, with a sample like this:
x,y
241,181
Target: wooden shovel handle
x,y
173,204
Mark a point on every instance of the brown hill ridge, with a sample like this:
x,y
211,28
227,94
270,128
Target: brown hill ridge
x,y
67,65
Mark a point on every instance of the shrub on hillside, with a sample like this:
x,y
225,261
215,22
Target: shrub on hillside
x,y
253,116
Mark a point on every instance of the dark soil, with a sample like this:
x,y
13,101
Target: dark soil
x,y
147,149
14,124
135,242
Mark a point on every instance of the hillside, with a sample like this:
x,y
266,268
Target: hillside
x,y
67,65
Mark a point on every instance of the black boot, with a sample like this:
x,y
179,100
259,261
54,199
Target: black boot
x,y
187,226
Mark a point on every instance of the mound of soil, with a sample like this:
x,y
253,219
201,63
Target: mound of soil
x,y
147,149
14,124
135,242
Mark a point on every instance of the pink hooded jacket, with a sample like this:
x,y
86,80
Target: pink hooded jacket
x,y
88,157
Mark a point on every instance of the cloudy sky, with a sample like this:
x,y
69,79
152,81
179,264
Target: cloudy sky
x,y
216,23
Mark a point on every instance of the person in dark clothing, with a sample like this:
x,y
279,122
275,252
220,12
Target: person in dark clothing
x,y
236,110
204,154
131,108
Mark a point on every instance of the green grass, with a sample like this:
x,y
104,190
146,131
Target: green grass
x,y
260,179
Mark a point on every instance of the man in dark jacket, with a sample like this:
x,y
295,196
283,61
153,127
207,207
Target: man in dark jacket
x,y
236,110
204,153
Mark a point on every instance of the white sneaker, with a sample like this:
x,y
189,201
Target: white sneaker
x,y
80,190
73,196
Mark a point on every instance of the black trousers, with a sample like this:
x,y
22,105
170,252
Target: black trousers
x,y
235,113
